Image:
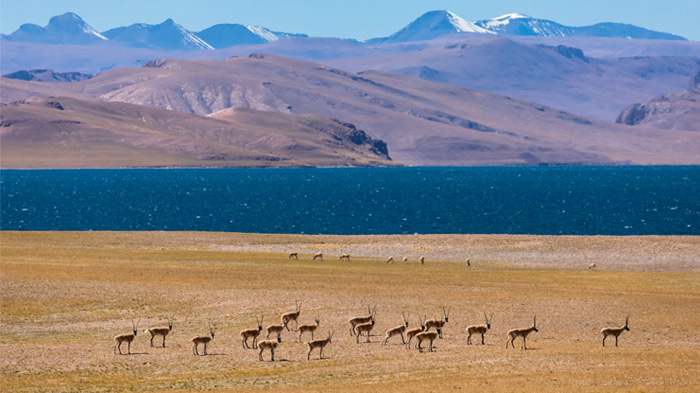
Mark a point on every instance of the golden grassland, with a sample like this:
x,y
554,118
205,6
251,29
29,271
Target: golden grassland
x,y
65,295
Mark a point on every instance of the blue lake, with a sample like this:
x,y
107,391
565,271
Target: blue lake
x,y
513,200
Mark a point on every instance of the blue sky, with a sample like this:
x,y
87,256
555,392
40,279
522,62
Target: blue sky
x,y
359,19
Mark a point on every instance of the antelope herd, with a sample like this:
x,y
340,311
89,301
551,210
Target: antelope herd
x,y
359,325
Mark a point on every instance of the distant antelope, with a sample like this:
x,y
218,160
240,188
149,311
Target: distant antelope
x,y
320,344
361,319
364,328
390,260
291,316
345,256
591,266
479,329
438,324
309,328
397,330
126,337
318,255
160,331
255,332
410,333
469,264
615,331
515,333
421,260
268,344
196,340
422,336
405,260
294,255
274,329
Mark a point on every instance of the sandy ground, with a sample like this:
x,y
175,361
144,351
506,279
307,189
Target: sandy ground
x,y
66,295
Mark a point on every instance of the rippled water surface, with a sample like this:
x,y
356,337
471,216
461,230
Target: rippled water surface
x,y
515,200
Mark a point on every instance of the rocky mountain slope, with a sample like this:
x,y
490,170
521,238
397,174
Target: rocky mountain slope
x,y
61,132
679,111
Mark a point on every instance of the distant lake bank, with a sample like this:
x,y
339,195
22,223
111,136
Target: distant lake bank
x,y
636,200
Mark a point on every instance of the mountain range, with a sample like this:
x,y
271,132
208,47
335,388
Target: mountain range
x,y
69,28
421,122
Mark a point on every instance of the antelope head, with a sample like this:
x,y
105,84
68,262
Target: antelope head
x,y
627,320
212,328
405,319
135,325
534,324
260,322
170,322
488,320
446,313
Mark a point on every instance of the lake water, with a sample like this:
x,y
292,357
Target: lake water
x,y
513,200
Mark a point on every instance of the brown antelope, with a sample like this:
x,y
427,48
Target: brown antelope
x,y
274,329
615,331
410,333
268,344
309,328
294,255
366,328
346,257
160,331
291,316
591,266
468,262
320,344
405,260
422,336
438,324
515,333
390,260
361,319
126,337
479,329
421,260
255,332
318,255
397,330
196,340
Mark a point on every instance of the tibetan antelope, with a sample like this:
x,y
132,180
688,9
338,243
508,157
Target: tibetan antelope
x,y
318,255
438,324
320,344
410,333
274,329
468,262
615,331
390,260
268,344
405,260
361,319
397,330
346,257
294,255
160,331
196,340
309,328
126,337
421,260
364,328
422,336
291,316
591,266
515,333
479,329
255,332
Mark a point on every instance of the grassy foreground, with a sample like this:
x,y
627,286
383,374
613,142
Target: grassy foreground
x,y
66,295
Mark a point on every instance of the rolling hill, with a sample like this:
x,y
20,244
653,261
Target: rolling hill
x,y
62,132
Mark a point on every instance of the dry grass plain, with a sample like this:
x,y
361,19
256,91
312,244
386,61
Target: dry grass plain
x,y
65,295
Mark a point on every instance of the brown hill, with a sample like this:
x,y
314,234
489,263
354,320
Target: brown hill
x,y
423,122
70,133
679,111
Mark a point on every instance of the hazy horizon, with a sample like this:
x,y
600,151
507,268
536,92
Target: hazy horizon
x,y
361,19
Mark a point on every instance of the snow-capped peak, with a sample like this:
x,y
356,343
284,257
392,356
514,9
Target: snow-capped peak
x,y
435,24
263,32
